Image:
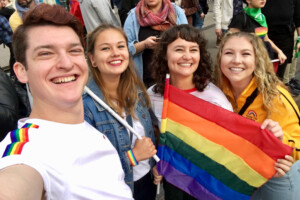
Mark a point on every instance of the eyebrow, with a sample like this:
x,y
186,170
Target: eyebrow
x,y
49,46
106,43
197,46
239,50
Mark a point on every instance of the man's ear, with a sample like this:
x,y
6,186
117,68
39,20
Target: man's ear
x,y
21,72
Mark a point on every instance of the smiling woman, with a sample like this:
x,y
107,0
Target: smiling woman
x,y
182,52
243,71
115,81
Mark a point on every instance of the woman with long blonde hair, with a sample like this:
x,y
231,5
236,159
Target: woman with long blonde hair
x,y
245,74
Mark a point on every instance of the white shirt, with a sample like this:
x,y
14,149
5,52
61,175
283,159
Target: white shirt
x,y
143,167
211,94
75,161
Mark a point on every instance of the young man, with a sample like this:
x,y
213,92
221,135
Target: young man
x,y
55,154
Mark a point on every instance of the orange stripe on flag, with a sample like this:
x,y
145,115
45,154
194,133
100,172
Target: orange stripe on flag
x,y
223,137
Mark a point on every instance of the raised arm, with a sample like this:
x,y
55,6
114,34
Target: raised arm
x,y
281,55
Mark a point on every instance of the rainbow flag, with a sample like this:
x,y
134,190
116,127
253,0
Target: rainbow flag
x,y
19,138
212,153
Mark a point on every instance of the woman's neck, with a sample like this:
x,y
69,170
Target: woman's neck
x,y
237,91
156,9
111,85
183,83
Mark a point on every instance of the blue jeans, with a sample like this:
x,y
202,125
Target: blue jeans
x,y
197,20
284,188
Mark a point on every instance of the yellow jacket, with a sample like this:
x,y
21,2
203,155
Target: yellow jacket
x,y
15,21
282,112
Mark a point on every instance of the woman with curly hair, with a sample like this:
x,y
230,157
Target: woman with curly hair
x,y
245,74
182,53
115,81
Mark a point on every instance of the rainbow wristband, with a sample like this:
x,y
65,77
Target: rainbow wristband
x,y
131,157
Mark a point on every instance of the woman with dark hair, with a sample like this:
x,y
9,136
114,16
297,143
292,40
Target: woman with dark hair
x,y
115,81
183,54
143,27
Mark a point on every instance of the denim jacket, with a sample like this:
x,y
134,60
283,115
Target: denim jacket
x,y
104,122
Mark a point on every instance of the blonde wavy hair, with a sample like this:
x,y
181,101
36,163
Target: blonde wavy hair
x,y
264,74
127,92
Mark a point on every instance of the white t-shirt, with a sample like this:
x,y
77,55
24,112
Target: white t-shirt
x,y
143,167
211,94
74,160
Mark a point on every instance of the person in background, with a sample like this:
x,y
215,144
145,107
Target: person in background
x,y
143,27
290,71
22,6
115,81
125,7
6,8
243,71
237,6
5,38
95,13
9,105
6,3
183,54
283,19
252,20
190,8
55,154
198,17
223,12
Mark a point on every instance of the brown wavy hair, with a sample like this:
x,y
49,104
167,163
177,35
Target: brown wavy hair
x,y
264,74
129,82
202,75
40,15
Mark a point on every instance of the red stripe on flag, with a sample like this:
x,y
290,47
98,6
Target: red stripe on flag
x,y
233,122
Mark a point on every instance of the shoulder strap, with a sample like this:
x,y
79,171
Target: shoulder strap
x,y
292,106
249,101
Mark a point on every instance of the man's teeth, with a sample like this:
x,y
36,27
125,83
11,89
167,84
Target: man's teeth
x,y
64,79
236,69
116,62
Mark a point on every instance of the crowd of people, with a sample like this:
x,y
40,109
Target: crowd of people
x,y
67,145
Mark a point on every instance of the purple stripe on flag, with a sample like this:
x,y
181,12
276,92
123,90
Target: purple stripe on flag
x,y
195,189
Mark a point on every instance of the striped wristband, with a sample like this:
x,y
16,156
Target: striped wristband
x,y
131,157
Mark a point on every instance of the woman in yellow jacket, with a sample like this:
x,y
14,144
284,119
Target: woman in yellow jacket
x,y
245,74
